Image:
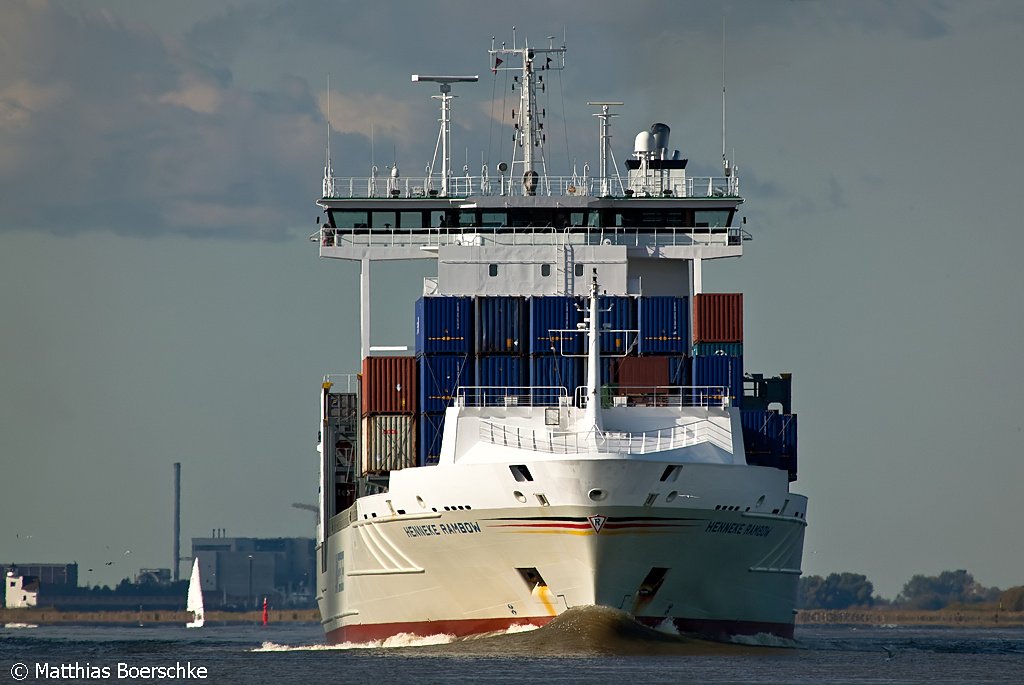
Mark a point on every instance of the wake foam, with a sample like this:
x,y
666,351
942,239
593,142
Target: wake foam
x,y
399,641
764,640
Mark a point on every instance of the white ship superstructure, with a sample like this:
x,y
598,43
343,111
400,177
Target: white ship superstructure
x,y
576,428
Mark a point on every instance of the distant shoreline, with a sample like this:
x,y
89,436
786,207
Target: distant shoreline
x,y
975,618
981,617
54,616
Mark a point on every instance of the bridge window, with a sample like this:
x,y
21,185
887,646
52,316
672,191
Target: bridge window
x,y
384,219
578,270
410,219
349,219
492,219
545,270
492,270
711,218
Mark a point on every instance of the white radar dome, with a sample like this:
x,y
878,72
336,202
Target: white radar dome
x,y
643,142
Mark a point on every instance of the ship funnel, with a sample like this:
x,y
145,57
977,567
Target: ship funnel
x,y
660,133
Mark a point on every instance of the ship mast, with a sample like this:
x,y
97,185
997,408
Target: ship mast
x,y
591,422
529,130
445,134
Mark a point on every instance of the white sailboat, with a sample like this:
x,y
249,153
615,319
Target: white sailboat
x,y
195,598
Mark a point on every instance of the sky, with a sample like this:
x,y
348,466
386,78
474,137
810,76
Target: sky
x,y
160,300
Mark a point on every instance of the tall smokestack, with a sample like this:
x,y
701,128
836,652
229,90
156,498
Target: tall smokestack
x,y
177,519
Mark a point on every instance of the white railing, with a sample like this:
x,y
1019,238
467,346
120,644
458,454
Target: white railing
x,y
566,442
529,235
511,396
705,396
698,186
348,381
341,187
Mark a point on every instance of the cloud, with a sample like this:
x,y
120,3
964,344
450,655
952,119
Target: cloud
x,y
357,113
143,135
195,93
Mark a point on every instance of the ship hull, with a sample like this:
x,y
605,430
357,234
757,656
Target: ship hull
x,y
478,570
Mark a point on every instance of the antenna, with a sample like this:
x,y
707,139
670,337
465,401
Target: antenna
x,y
529,132
725,160
606,137
446,131
328,170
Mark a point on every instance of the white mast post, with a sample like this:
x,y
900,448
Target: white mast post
x,y
592,412
529,135
606,137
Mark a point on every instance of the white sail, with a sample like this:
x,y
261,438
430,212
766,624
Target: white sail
x,y
194,603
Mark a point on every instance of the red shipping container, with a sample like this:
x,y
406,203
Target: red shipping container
x,y
389,385
718,317
642,372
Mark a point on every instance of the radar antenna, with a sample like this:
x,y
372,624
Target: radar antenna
x,y
445,134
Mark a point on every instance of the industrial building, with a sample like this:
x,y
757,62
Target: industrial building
x,y
240,572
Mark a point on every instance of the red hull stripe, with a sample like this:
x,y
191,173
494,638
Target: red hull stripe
x,y
459,628
587,526
580,526
462,628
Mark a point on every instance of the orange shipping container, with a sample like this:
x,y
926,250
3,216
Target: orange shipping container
x,y
389,385
718,317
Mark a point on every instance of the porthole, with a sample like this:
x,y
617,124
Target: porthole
x,y
519,496
597,494
419,501
759,503
671,496
492,270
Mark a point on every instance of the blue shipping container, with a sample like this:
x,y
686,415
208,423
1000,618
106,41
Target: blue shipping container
x,y
617,312
501,325
431,431
444,325
664,325
759,430
548,314
547,372
706,349
440,377
720,370
501,371
770,439
679,371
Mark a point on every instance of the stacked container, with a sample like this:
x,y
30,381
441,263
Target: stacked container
x,y
554,333
662,342
389,408
769,439
444,346
502,341
617,317
718,342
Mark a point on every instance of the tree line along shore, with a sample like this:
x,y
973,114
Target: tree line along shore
x,y
979,617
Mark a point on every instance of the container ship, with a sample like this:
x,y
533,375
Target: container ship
x,y
576,426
